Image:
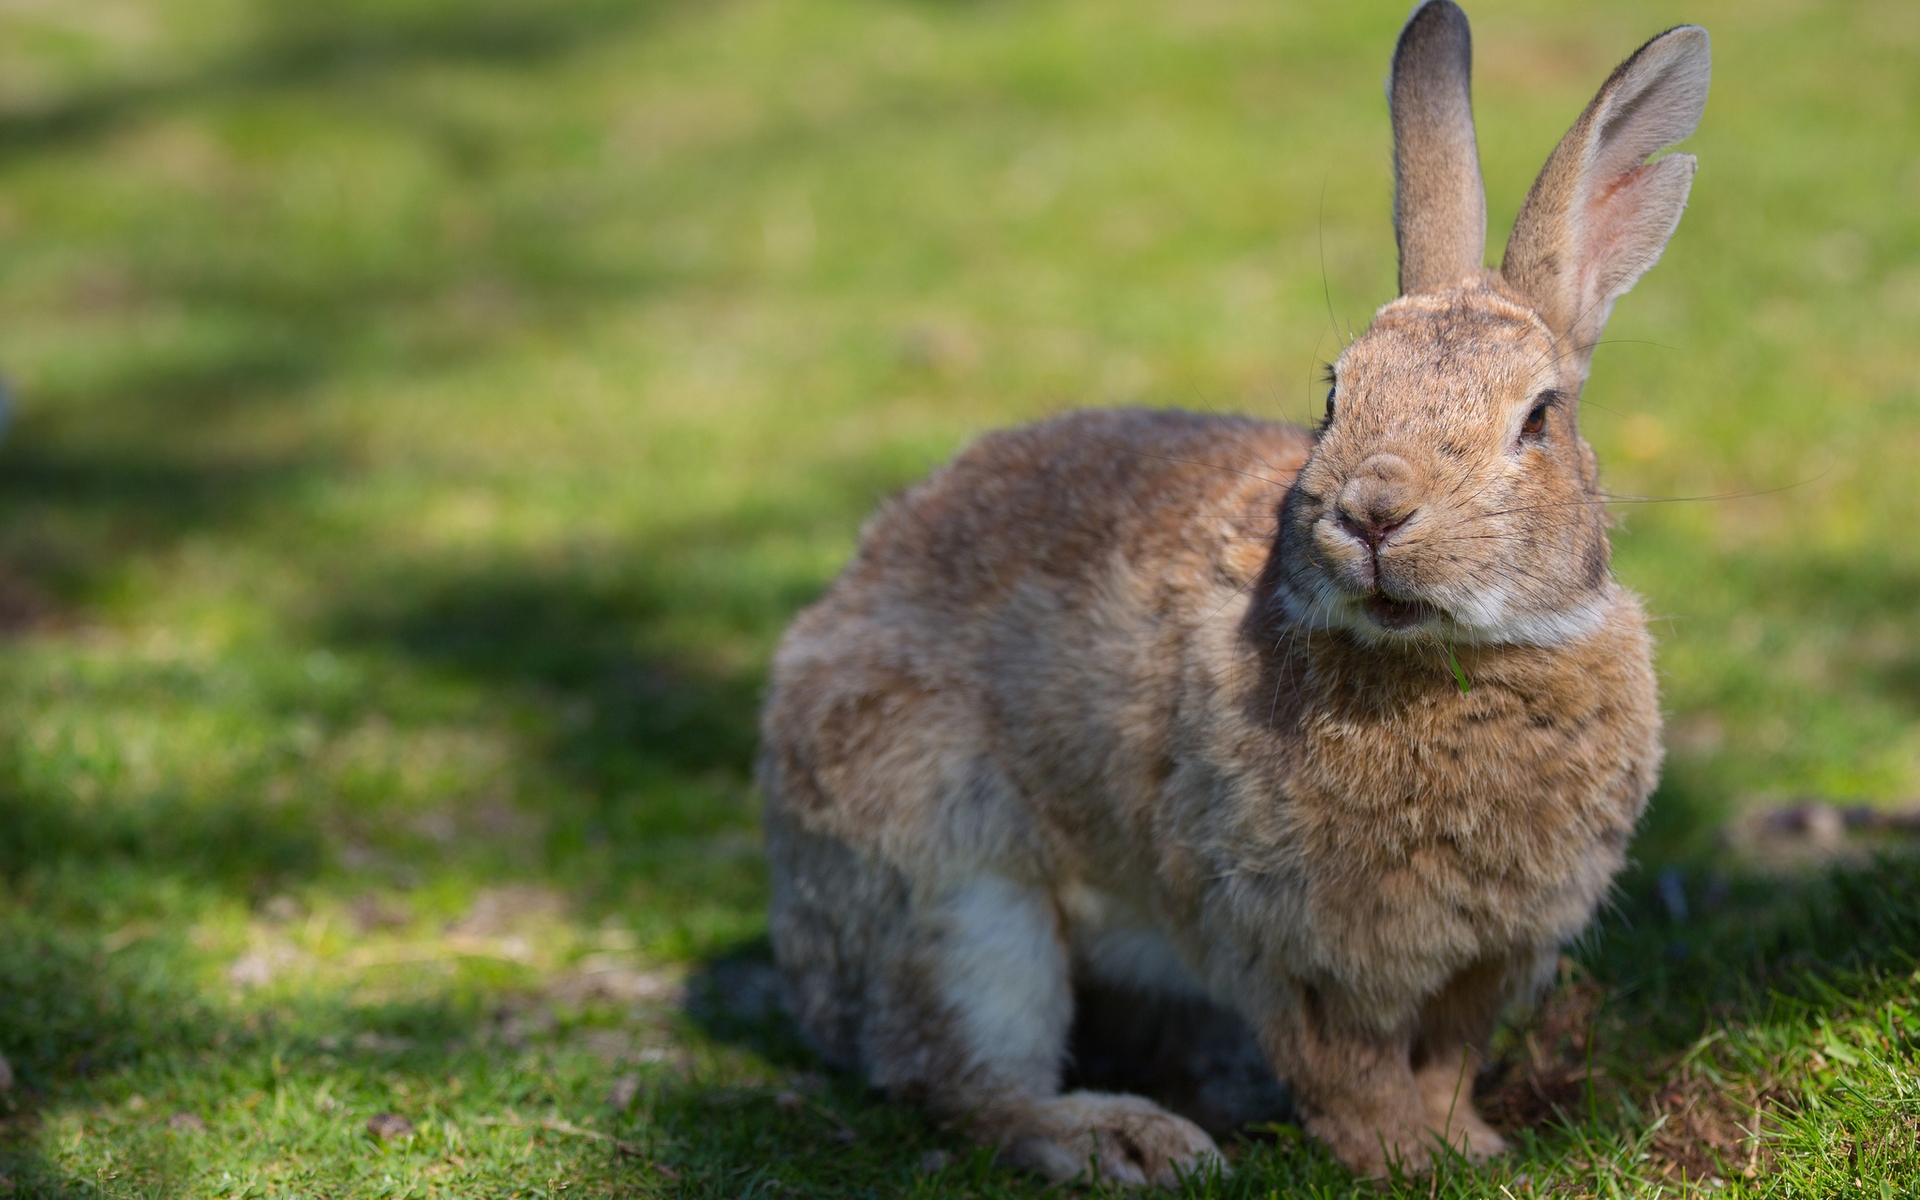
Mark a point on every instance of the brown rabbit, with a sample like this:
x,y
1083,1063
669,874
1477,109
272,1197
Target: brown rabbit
x,y
1343,732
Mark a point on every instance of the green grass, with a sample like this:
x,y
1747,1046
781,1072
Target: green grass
x,y
428,414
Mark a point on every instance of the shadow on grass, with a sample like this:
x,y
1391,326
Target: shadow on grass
x,y
72,1013
301,45
734,997
1694,935
632,737
630,751
639,755
75,515
123,453
174,1081
91,1028
1737,939
1855,594
576,645
635,669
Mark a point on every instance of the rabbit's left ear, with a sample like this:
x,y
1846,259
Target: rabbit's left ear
x,y
1439,205
1600,213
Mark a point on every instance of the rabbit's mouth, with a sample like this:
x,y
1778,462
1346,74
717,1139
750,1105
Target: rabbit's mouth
x,y
1393,614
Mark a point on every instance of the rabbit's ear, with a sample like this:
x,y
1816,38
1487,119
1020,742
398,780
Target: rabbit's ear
x,y
1600,213
1439,205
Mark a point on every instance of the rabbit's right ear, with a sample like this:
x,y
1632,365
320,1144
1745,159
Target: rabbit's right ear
x,y
1600,213
1439,204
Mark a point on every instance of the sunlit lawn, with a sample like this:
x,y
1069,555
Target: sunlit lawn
x,y
426,415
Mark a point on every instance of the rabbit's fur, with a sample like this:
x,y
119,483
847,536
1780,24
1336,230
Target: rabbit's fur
x,y
1174,704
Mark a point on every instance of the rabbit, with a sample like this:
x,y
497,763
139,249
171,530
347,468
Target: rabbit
x,y
1343,731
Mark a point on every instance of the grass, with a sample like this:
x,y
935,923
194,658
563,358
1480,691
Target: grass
x,y
426,415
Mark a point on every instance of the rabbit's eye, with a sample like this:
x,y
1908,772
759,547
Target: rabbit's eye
x,y
1536,422
1333,385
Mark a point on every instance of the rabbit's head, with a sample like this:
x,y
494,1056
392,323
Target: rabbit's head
x,y
1450,494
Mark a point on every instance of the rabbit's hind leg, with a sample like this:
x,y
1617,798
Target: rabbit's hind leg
x,y
972,1017
1126,1139
833,914
950,992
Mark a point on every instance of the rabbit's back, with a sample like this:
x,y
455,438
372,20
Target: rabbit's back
x,y
1063,503
1030,605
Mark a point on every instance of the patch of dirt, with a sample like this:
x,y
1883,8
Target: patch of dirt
x,y
516,1025
370,913
23,608
1713,1130
608,979
1811,834
1709,1128
1548,1073
389,1126
503,910
263,964
380,1043
281,910
610,1046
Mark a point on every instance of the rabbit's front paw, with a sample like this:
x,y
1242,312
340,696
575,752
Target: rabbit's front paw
x,y
1465,1133
1369,1150
1446,1097
1376,1152
1124,1139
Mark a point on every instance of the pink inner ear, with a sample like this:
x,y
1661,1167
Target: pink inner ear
x,y
1621,231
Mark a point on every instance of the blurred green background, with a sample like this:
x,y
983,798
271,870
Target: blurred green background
x,y
427,414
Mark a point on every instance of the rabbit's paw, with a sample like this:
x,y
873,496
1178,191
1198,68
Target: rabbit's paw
x,y
1124,1139
1446,1098
1465,1133
1372,1151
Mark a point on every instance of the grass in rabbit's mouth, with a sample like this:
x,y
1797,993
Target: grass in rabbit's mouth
x,y
425,415
1459,675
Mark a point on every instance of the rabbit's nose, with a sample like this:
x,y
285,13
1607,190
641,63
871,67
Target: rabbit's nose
x,y
1378,498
